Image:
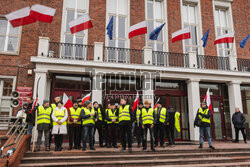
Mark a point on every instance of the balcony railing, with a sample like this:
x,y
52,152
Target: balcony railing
x,y
243,65
71,51
170,59
213,62
123,55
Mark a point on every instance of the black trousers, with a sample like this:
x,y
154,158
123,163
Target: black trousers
x,y
58,141
139,134
170,133
159,130
126,135
112,137
106,133
237,133
145,133
74,135
98,127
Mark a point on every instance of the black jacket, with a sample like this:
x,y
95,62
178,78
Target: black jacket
x,y
238,120
208,115
170,117
30,119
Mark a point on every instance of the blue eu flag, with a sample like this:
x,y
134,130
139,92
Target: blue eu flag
x,y
205,38
155,33
244,41
110,28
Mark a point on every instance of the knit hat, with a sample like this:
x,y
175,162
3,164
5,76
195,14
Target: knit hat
x,y
25,104
45,101
86,103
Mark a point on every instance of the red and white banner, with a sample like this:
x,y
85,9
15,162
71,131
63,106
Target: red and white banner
x,y
179,35
136,102
156,103
138,29
20,17
67,103
42,13
80,24
226,38
208,101
85,98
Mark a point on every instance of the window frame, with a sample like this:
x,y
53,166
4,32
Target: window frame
x,y
7,35
164,41
116,38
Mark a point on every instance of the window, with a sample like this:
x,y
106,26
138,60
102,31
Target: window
x,y
119,10
6,87
72,10
189,17
155,18
222,27
9,37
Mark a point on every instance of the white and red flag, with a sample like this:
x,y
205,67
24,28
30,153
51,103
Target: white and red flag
x,y
226,38
33,105
85,98
136,102
138,29
20,17
179,35
156,103
208,101
80,24
42,13
67,103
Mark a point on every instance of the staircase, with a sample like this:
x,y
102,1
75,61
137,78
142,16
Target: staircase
x,y
181,156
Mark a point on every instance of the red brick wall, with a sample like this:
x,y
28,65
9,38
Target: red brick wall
x,y
241,19
137,14
174,24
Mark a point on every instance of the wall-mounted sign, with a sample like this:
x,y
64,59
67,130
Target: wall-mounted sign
x,y
24,93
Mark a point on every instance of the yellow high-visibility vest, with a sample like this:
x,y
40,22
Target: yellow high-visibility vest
x,y
75,113
163,114
112,115
147,116
205,112
59,114
177,121
89,120
53,106
124,114
138,113
99,113
44,116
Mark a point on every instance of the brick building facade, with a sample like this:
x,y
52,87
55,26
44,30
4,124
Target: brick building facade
x,y
20,53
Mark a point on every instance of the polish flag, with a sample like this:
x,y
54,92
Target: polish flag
x,y
136,102
85,98
42,13
179,35
156,103
226,38
208,100
67,103
20,17
80,24
138,29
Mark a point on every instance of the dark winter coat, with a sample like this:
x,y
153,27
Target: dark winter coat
x,y
238,120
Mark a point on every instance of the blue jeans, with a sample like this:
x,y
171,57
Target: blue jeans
x,y
88,131
30,128
207,131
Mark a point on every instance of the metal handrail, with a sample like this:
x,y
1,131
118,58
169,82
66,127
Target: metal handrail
x,y
7,134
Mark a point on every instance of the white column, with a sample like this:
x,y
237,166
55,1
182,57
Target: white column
x,y
235,100
193,105
147,54
233,63
42,87
43,46
192,57
49,81
97,88
98,51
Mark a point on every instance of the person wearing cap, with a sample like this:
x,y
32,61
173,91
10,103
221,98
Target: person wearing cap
x,y
126,118
88,117
21,113
147,119
112,122
139,130
159,128
204,114
59,117
98,122
43,124
74,126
